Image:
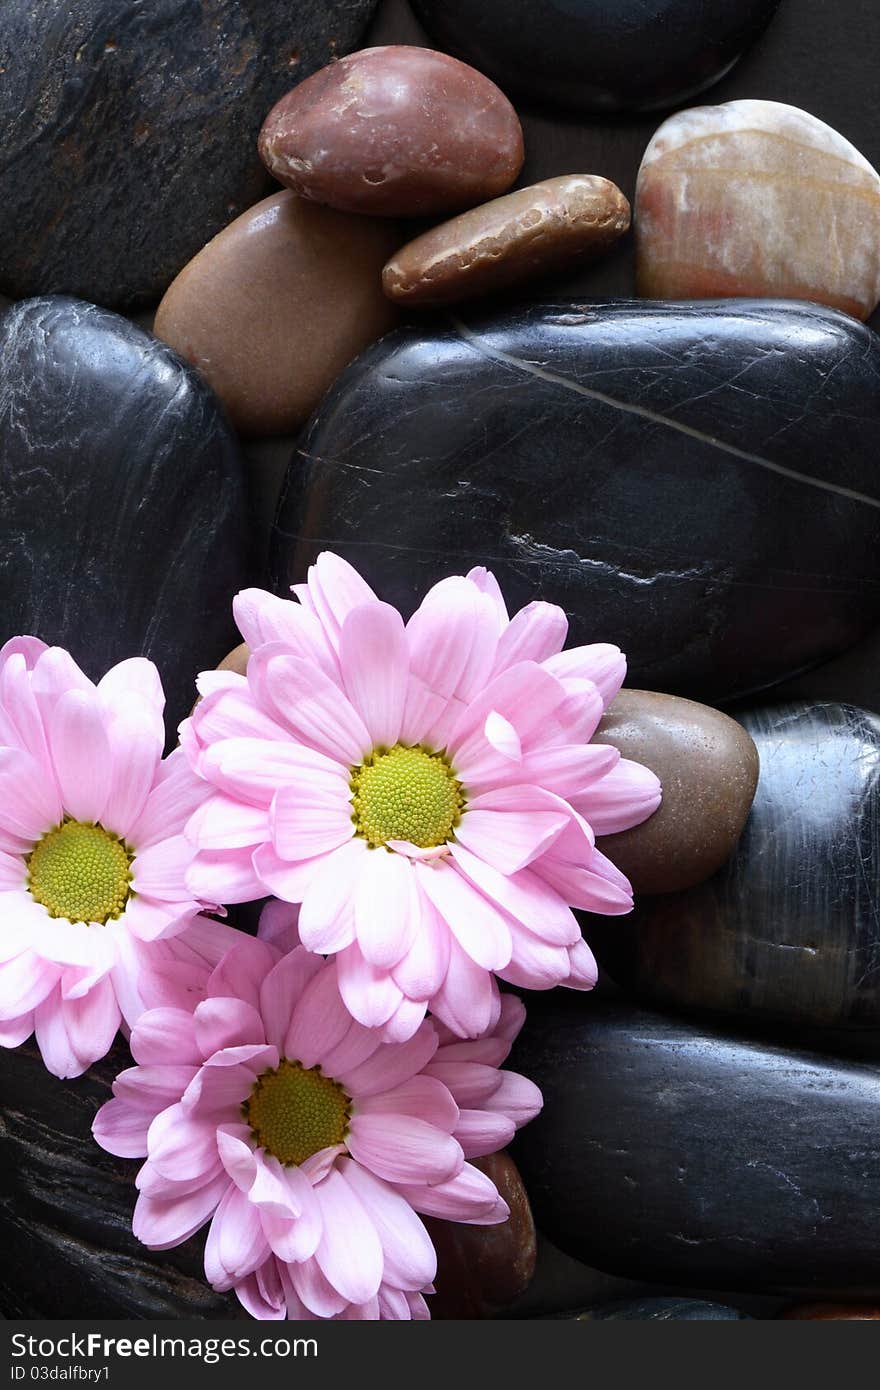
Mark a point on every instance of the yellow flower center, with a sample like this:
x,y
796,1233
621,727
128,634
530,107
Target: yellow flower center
x,y
405,793
295,1111
80,871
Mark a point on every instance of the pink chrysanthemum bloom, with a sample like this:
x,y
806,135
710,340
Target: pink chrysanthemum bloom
x,y
308,1143
92,856
427,791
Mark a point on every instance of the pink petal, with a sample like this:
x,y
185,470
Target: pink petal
x,y
164,1224
225,876
160,869
326,921
177,793
470,1083
242,970
231,713
282,990
223,1023
589,889
222,823
525,694
480,928
237,1155
483,1132
600,663
534,633
390,1066
386,911
318,1021
349,1253
153,1088
306,820
135,676
517,1097
25,982
316,1292
402,1148
469,1196
285,880
374,657
293,1238
225,1082
149,920
121,1129
92,1021
20,720
624,797
135,753
262,617
507,837
402,1024
279,925
503,737
13,873
15,1031
535,964
410,1261
334,589
236,1245
369,993
252,769
261,1294
52,1038
422,970
421,1097
300,696
81,754
523,896
583,971
451,638
468,996
29,804
181,1147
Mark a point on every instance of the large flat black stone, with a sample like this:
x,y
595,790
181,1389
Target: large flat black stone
x,y
694,482
123,515
669,1153
129,130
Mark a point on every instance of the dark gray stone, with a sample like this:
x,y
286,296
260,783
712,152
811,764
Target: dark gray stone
x,y
66,1208
663,1310
683,1156
123,526
129,130
788,931
593,55
695,482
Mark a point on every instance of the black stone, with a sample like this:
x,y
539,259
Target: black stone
x,y
788,931
663,1310
593,55
129,130
694,482
672,1154
123,526
66,1208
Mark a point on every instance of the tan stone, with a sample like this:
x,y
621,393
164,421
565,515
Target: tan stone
x,y
236,660
273,308
513,239
708,768
757,199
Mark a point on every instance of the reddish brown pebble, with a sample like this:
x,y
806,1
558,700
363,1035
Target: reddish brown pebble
x,y
481,1269
515,238
397,131
835,1312
236,660
273,308
708,767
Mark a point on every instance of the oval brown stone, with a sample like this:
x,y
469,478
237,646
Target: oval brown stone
x,y
273,308
512,239
708,766
236,660
400,131
481,1269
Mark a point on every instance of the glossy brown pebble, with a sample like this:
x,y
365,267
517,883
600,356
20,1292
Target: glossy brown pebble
x,y
481,1269
273,308
834,1312
397,131
236,660
708,766
519,237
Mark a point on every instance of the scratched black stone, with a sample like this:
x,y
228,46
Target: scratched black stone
x,y
787,933
129,130
684,1156
66,1207
632,55
123,527
694,482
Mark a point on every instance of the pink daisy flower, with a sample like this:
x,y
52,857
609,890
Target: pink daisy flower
x,y
92,856
427,791
308,1143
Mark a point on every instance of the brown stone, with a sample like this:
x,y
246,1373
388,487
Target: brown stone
x,y
516,238
708,766
273,308
399,131
481,1269
757,199
236,660
834,1312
